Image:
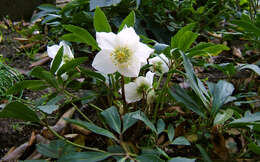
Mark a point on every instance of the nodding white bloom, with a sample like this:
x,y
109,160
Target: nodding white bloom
x,y
159,64
134,90
67,55
122,52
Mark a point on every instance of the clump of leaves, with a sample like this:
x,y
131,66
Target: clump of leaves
x,y
8,77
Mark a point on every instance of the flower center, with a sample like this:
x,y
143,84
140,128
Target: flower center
x,y
66,58
121,55
142,88
158,66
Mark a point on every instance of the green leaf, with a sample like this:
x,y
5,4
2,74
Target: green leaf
x,y
100,21
206,49
222,117
186,40
181,159
222,90
41,73
253,67
247,119
72,64
128,121
93,74
112,118
17,110
180,95
247,27
57,61
177,37
49,109
93,128
195,82
141,116
203,153
181,141
149,157
128,21
102,3
170,132
49,8
27,84
253,147
85,156
71,37
160,126
83,35
55,149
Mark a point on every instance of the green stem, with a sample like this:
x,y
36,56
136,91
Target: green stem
x,y
123,94
94,106
72,143
68,95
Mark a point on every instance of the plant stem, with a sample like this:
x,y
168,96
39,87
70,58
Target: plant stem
x,y
123,94
94,106
72,143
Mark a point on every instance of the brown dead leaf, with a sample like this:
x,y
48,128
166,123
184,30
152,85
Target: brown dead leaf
x,y
32,139
219,144
40,62
59,127
21,39
80,129
161,139
17,153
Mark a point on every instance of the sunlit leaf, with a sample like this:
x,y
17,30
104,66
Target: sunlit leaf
x,y
100,21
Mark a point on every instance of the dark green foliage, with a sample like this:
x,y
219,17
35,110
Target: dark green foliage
x,y
8,77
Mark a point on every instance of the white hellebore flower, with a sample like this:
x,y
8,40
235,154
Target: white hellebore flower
x,y
67,55
134,90
122,52
159,64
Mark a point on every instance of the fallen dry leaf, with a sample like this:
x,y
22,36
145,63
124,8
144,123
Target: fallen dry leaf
x,y
40,62
59,126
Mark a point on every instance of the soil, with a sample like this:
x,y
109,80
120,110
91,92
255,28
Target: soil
x,y
14,132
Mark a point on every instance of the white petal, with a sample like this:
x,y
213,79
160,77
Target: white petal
x,y
103,63
128,38
165,59
131,94
165,68
106,40
132,69
52,50
141,81
149,77
66,50
143,52
64,76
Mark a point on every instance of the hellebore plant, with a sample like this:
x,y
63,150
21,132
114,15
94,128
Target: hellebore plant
x,y
66,57
160,64
122,52
135,91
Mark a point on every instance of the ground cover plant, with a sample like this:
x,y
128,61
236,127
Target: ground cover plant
x,y
119,94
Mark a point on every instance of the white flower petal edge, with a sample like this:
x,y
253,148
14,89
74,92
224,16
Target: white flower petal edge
x,y
133,90
128,37
143,51
52,50
123,52
106,40
131,94
160,64
66,49
103,63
